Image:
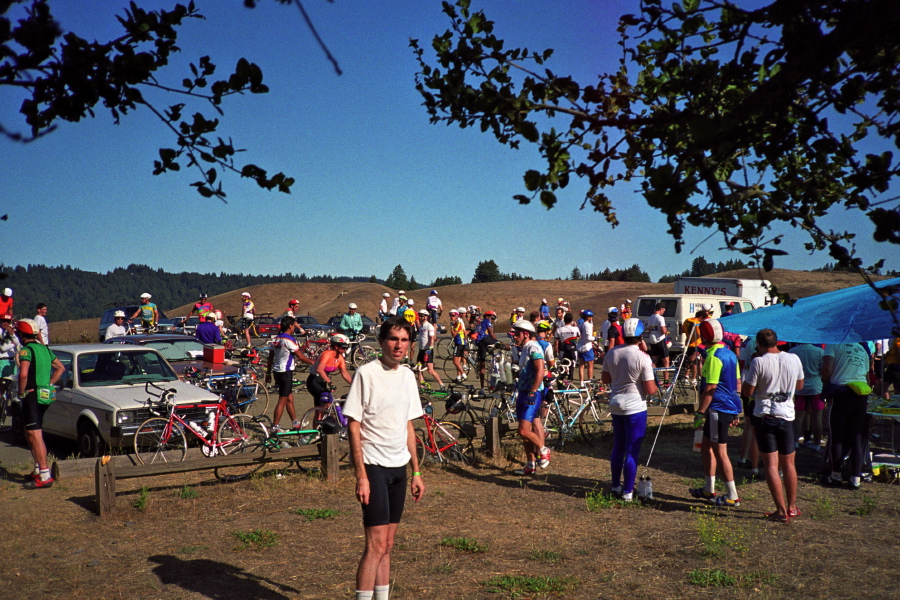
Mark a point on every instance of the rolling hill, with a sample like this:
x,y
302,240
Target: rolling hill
x,y
322,300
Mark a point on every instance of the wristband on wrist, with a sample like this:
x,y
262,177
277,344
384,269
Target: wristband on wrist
x,y
417,474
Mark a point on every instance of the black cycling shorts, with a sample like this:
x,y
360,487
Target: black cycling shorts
x,y
716,426
774,434
387,494
426,357
285,382
459,350
33,413
659,350
316,386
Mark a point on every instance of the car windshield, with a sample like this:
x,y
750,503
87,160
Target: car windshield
x,y
186,349
307,321
100,369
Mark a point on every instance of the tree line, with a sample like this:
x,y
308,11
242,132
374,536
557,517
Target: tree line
x,y
72,293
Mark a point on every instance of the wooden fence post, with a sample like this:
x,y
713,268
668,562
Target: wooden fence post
x,y
492,436
105,480
328,450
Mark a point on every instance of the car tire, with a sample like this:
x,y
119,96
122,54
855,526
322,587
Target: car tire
x,y
90,444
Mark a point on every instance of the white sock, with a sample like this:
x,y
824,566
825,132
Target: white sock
x,y
732,490
37,469
364,594
627,495
854,481
710,485
382,592
45,474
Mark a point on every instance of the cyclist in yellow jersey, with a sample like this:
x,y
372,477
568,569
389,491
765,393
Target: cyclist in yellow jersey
x,y
458,332
148,312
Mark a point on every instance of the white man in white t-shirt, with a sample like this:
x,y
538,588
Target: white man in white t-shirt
x,y
381,406
657,332
425,358
383,313
435,306
771,381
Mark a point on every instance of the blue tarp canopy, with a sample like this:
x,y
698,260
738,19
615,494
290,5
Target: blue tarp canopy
x,y
841,316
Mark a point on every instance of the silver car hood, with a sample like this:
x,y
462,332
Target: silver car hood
x,y
126,397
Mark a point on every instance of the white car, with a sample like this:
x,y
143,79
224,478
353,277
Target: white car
x,y
103,396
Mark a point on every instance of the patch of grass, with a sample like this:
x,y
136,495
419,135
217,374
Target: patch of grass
x,y
711,578
187,492
597,501
143,497
718,534
720,578
191,549
312,514
824,509
256,539
464,544
518,585
445,569
699,482
547,556
438,494
867,507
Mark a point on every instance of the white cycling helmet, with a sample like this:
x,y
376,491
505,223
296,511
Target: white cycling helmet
x,y
352,306
524,325
247,294
411,302
7,292
146,296
339,339
633,327
119,313
454,311
385,295
520,309
423,312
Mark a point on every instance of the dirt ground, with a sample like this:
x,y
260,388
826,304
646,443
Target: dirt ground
x,y
178,536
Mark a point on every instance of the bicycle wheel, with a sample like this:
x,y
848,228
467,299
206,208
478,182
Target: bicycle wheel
x,y
239,430
238,472
156,441
420,447
363,355
554,427
448,369
504,406
308,422
444,348
453,444
590,424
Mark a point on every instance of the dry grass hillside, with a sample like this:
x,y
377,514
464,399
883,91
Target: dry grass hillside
x,y
322,300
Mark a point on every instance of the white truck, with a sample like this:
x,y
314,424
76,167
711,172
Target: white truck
x,y
756,290
680,307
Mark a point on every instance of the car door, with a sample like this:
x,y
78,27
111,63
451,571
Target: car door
x,y
59,415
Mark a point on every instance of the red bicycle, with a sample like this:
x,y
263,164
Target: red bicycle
x,y
443,442
164,439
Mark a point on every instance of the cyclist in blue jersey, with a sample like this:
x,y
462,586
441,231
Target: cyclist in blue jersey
x,y
720,402
147,311
484,337
529,393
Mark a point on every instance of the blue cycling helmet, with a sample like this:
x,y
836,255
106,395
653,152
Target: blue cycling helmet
x,y
587,313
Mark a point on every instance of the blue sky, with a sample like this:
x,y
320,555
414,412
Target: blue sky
x,y
377,185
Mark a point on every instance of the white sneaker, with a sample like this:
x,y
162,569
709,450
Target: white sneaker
x,y
296,424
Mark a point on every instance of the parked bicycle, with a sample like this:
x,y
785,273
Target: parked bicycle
x,y
358,355
443,442
572,414
242,390
164,438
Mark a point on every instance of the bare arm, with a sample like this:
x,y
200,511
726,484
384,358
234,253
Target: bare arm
x,y
58,370
416,486
342,365
24,367
650,387
356,457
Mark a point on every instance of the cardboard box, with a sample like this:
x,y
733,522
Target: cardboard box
x,y
214,353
